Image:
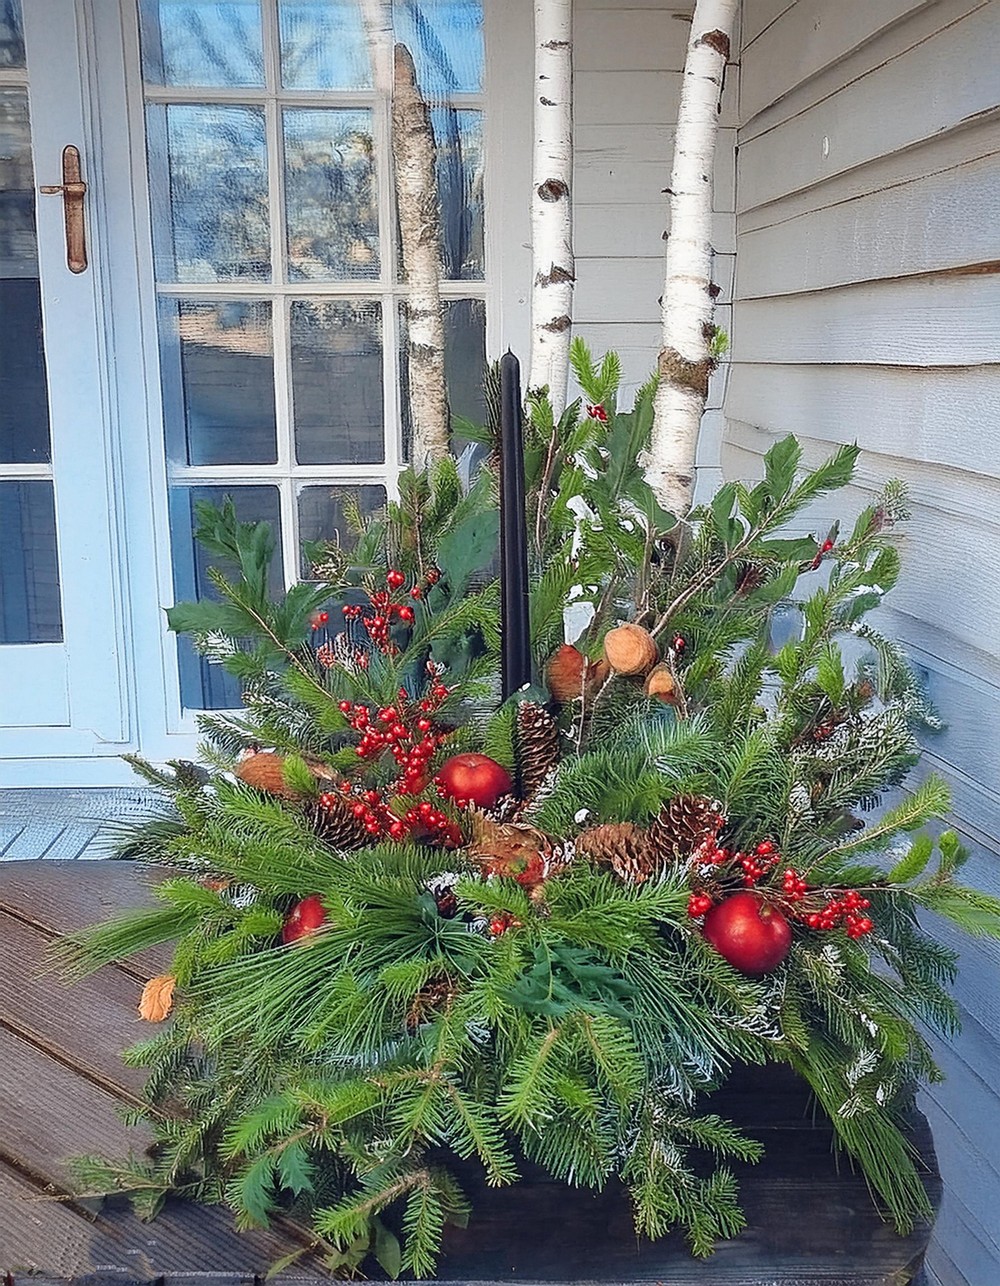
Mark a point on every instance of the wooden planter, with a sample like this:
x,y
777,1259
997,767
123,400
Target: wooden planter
x,y
63,1081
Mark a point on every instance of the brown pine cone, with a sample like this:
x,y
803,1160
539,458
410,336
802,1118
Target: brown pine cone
x,y
624,847
537,746
334,822
684,823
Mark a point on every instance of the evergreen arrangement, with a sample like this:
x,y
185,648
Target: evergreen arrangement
x,y
420,928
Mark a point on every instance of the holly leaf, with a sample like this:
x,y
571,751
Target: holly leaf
x,y
387,1250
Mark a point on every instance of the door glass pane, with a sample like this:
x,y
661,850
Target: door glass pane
x,y
209,188
205,686
24,403
29,573
331,208
217,367
11,34
322,514
323,45
337,382
464,363
202,42
458,138
446,40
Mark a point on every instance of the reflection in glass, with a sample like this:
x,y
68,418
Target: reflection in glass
x,y
209,192
458,138
205,686
201,42
218,381
337,382
24,404
464,363
11,34
322,514
30,611
332,215
446,40
323,45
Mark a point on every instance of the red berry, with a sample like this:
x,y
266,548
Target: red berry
x,y
395,579
698,904
406,614
679,643
416,592
433,576
765,847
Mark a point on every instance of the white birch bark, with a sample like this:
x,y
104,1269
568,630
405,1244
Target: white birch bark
x,y
553,270
685,361
420,233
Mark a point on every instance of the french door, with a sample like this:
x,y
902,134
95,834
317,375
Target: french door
x,y
239,327
63,652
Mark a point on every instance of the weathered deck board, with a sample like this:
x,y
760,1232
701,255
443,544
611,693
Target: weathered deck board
x,y
63,1083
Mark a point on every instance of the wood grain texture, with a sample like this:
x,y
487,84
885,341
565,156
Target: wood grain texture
x,y
928,96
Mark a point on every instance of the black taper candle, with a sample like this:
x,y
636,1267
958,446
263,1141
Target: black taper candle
x,y
515,666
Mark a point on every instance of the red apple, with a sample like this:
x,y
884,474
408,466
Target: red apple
x,y
304,918
748,932
477,778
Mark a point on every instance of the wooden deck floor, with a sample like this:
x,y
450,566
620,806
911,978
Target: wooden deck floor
x,y
63,1083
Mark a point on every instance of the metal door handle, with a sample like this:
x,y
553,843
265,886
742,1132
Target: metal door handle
x,y
73,190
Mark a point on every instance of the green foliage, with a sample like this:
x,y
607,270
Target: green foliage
x,y
448,1014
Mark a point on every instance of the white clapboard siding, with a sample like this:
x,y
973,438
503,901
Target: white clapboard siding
x,y
628,61
932,321
815,34
629,40
867,308
935,86
938,416
918,25
902,230
758,16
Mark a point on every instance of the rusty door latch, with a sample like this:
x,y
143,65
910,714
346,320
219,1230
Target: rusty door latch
x,y
73,190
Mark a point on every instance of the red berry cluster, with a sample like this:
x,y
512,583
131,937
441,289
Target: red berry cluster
x,y
824,731
794,886
698,904
405,729
318,620
598,413
326,656
843,910
378,622
757,864
424,821
500,923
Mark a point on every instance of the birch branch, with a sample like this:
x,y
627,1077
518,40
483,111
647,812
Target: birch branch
x,y
553,271
420,232
686,359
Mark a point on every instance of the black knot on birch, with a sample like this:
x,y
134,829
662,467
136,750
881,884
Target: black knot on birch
x,y
553,189
717,40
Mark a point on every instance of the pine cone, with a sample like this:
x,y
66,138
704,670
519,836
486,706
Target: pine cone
x,y
623,846
537,745
684,823
334,822
436,995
